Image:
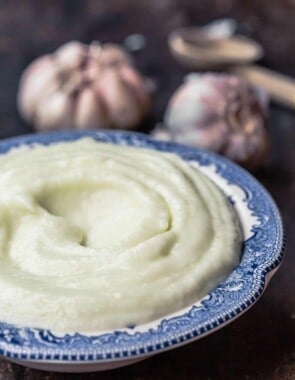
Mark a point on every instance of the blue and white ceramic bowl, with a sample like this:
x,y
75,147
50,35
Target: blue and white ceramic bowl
x,y
261,256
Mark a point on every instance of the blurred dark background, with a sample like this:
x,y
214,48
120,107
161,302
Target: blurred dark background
x,y
30,28
261,344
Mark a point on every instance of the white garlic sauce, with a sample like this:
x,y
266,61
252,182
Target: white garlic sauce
x,y
96,236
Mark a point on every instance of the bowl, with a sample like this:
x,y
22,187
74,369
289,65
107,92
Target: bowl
x,y
262,253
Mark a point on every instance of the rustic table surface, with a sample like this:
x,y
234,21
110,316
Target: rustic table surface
x,y
260,344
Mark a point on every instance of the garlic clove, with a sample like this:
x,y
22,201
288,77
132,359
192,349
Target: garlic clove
x,y
249,150
71,55
73,84
133,79
54,112
123,108
237,148
37,81
212,137
191,106
92,70
109,54
90,113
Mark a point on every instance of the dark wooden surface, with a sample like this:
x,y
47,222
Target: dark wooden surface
x,y
261,344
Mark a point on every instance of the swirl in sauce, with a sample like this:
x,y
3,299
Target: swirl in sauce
x,y
96,236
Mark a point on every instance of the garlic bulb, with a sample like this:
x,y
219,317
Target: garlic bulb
x,y
83,87
221,113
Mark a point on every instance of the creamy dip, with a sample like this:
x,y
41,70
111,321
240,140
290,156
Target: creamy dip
x,y
95,236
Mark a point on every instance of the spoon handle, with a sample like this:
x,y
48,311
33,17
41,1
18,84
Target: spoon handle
x,y
280,87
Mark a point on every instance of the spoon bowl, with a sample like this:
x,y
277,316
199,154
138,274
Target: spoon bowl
x,y
195,48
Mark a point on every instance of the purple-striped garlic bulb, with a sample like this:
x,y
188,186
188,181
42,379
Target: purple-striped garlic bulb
x,y
221,113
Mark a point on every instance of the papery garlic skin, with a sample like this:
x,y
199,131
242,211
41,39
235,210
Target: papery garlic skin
x,y
83,87
221,113
90,112
39,78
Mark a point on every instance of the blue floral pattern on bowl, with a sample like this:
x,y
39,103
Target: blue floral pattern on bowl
x,y
262,253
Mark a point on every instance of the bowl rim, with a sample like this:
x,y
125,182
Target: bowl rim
x,y
213,312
